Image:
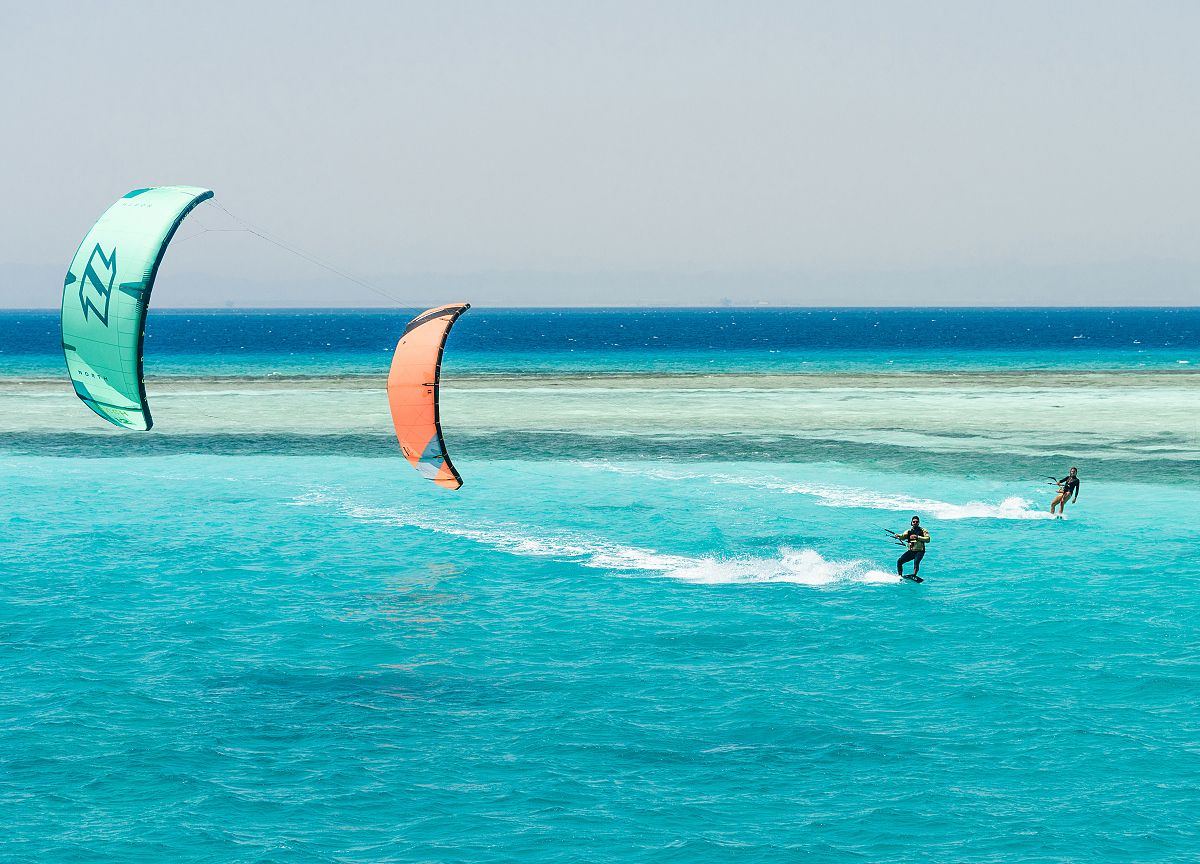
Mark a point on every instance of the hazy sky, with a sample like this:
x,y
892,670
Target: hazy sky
x,y
588,153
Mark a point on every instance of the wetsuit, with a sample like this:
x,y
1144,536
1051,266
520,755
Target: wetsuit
x,y
917,538
1069,485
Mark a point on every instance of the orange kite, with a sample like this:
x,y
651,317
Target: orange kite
x,y
412,390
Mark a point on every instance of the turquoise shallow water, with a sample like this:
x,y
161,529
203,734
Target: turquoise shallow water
x,y
659,623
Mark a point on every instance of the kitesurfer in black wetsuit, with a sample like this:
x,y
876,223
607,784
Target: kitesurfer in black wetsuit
x,y
1067,487
916,537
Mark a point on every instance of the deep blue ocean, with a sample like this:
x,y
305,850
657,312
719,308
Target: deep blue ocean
x,y
661,620
181,342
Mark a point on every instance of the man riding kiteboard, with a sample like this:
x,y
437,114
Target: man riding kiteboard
x,y
916,537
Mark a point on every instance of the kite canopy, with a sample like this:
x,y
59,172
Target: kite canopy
x,y
105,296
412,390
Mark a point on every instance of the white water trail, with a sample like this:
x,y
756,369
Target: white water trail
x,y
1012,507
795,566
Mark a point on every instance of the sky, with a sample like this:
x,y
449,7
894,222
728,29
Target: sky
x,y
611,153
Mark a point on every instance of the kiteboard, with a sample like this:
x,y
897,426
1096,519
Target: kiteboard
x,y
912,577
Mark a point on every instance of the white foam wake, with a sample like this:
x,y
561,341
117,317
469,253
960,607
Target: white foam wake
x,y
797,566
1012,507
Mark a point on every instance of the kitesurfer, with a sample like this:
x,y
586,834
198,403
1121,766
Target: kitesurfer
x,y
1067,487
916,537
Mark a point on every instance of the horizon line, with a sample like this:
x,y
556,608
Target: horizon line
x,y
647,307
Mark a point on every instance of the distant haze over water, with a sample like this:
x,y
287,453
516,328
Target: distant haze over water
x,y
675,153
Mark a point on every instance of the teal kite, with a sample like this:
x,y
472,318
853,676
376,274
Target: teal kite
x,y
105,295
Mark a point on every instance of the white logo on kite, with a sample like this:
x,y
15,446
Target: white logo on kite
x,y
95,288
